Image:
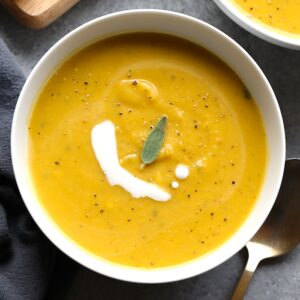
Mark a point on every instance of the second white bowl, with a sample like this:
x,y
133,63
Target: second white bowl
x,y
261,31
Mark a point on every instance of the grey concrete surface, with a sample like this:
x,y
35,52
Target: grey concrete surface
x,y
278,279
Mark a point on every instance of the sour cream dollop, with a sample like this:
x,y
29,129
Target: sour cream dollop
x,y
174,184
105,147
182,172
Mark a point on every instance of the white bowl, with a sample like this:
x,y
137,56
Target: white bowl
x,y
181,26
261,31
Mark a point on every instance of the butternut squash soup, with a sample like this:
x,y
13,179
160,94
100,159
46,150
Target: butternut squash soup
x,y
280,15
146,150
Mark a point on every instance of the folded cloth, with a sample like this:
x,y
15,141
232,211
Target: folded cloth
x,y
26,256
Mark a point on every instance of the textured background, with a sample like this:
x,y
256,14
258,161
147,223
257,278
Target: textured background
x,y
278,279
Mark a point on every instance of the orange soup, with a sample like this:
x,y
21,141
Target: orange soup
x,y
210,158
279,15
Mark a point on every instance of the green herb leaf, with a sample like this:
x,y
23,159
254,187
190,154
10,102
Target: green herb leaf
x,y
154,141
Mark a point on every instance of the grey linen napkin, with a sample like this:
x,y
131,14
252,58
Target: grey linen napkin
x,y
26,256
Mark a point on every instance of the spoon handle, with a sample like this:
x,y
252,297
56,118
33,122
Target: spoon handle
x,y
244,281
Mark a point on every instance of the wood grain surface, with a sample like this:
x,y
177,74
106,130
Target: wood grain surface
x,y
37,13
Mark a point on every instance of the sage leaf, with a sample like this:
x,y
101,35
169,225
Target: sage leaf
x,y
154,141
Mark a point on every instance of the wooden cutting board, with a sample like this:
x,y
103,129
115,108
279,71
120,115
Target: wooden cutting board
x,y
37,13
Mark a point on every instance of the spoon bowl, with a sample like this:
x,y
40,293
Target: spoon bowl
x,y
280,232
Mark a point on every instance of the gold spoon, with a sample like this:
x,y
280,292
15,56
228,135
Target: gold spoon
x,y
280,232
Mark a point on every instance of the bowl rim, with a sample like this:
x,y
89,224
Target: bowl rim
x,y
259,30
127,273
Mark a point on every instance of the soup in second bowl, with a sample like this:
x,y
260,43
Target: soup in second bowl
x,y
146,150
280,15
